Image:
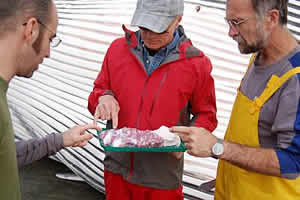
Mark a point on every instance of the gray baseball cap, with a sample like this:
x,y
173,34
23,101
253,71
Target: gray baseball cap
x,y
156,15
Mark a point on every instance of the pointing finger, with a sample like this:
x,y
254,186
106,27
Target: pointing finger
x,y
96,116
90,126
181,129
86,137
115,119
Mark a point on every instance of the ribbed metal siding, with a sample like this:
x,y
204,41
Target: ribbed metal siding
x,y
56,97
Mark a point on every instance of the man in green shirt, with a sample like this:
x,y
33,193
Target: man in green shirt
x,y
27,30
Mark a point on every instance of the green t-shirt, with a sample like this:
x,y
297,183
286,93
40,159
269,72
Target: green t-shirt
x,y
9,177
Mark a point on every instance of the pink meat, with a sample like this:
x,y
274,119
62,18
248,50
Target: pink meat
x,y
131,137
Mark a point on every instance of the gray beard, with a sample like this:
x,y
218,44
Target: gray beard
x,y
253,48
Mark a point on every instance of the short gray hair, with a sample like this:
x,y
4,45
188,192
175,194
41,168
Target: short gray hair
x,y
262,6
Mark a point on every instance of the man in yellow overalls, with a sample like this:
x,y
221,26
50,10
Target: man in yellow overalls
x,y
260,155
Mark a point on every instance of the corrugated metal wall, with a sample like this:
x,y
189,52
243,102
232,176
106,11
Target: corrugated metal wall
x,y
56,97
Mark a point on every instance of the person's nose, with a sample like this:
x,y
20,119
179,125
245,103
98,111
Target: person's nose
x,y
232,31
47,55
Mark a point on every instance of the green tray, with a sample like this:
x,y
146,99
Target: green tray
x,y
180,148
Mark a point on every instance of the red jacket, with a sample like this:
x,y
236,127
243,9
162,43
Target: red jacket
x,y
180,86
164,97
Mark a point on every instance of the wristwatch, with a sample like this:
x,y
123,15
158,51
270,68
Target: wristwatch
x,y
217,149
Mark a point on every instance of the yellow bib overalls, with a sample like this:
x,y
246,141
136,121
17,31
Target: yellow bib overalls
x,y
234,183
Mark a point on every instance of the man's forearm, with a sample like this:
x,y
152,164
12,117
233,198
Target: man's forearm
x,y
259,160
35,149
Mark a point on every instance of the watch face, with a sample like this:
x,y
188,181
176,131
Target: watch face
x,y
218,149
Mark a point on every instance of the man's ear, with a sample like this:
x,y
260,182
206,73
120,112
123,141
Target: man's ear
x,y
177,21
32,30
272,18
179,18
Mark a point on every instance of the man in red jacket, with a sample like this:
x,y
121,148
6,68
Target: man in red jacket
x,y
150,78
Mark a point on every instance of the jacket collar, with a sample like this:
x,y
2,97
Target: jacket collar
x,y
184,45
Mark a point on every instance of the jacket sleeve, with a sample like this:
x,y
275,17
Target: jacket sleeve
x,y
101,86
32,150
203,100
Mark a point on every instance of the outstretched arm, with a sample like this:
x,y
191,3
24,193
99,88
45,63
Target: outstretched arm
x,y
199,143
32,150
259,160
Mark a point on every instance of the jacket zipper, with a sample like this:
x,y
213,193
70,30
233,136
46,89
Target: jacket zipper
x,y
141,106
158,91
138,117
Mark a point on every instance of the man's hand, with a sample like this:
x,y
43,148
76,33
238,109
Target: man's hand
x,y
76,136
198,141
107,109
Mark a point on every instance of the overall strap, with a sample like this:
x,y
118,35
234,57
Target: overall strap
x,y
274,84
251,61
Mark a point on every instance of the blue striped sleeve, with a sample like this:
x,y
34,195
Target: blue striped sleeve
x,y
289,158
